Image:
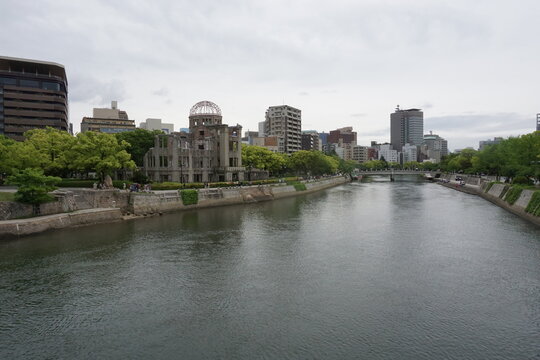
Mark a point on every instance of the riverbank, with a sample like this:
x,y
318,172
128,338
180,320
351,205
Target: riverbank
x,y
94,207
494,194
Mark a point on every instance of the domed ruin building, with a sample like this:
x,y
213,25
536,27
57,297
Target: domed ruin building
x,y
210,152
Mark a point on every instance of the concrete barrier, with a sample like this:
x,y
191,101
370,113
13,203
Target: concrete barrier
x,y
496,195
21,227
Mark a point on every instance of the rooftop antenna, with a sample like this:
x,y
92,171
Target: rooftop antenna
x,y
397,107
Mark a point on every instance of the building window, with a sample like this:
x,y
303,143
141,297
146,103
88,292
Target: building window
x,y
7,81
201,132
163,161
29,83
201,147
50,86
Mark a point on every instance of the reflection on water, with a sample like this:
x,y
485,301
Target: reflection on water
x,y
366,270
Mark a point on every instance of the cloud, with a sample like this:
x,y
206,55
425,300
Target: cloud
x,y
161,92
303,93
358,115
91,90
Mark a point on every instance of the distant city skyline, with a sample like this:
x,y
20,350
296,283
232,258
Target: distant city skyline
x,y
470,66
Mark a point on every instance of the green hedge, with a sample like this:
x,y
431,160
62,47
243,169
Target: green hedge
x,y
534,204
89,183
189,196
513,194
176,186
298,186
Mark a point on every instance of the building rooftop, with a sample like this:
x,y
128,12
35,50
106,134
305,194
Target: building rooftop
x,y
30,66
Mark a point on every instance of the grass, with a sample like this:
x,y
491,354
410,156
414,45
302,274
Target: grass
x,y
513,194
7,196
534,204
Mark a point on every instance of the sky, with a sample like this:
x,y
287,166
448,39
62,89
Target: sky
x,y
471,66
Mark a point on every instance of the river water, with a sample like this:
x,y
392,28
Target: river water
x,y
379,270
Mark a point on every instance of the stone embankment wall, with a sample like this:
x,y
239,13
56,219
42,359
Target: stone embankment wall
x,y
496,194
68,201
87,206
166,201
21,227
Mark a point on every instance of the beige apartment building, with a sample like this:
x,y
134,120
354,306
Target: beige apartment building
x,y
284,122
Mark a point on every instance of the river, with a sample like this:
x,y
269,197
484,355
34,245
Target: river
x,y
378,270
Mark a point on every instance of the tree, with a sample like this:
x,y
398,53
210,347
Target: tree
x,y
99,152
257,157
51,147
140,141
33,186
312,163
347,166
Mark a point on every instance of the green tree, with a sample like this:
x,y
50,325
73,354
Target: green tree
x,y
99,152
257,157
312,163
33,186
50,147
140,141
347,166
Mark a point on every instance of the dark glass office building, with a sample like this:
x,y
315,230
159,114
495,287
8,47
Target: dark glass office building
x,y
33,94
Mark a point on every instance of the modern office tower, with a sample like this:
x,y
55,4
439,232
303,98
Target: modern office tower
x,y
406,127
434,147
360,153
310,140
33,94
484,143
537,122
156,124
211,151
107,120
285,122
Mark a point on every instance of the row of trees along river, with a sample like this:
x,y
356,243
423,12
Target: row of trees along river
x,y
58,153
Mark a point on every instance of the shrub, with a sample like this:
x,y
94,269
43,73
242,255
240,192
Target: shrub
x,y
523,180
534,204
298,186
176,186
33,186
513,194
189,196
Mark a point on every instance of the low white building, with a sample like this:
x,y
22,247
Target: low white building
x,y
410,153
156,124
389,154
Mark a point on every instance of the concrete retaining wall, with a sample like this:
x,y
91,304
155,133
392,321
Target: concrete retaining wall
x,y
496,195
21,227
144,204
118,202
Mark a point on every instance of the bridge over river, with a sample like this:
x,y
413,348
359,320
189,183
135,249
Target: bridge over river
x,y
394,172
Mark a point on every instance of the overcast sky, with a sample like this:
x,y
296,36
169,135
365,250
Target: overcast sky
x,y
472,66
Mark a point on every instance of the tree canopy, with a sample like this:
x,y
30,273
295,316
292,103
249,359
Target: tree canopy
x,y
140,141
33,186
